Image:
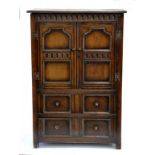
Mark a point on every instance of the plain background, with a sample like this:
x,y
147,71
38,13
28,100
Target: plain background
x,y
138,117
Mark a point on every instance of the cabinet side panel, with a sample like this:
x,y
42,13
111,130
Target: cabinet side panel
x,y
34,82
119,59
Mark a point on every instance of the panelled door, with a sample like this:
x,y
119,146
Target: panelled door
x,y
57,42
96,54
93,49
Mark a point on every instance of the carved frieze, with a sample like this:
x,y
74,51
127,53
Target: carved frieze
x,y
76,17
57,55
97,55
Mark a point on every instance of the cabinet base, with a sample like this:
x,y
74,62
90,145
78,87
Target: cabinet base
x,y
100,144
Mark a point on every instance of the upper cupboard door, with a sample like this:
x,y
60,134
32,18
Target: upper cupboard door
x,y
96,55
57,42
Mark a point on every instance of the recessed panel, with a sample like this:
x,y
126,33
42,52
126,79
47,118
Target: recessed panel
x,y
96,71
57,127
96,128
97,39
57,71
96,104
55,103
56,39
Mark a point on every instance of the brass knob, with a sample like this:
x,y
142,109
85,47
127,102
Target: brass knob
x,y
57,104
96,127
96,104
57,127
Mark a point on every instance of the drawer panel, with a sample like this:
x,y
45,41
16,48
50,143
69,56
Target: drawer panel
x,y
99,103
98,127
56,103
54,127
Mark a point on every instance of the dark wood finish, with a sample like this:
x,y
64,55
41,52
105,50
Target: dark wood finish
x,y
77,76
54,127
98,128
96,42
57,103
96,103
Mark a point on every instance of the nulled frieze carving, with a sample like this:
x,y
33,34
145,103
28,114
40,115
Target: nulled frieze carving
x,y
98,55
57,55
76,17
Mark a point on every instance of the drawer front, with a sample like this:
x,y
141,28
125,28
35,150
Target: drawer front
x,y
98,103
56,103
54,127
98,127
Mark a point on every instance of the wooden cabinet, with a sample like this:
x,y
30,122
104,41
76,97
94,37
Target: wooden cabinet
x,y
77,76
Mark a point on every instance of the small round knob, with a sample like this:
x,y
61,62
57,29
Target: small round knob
x,y
96,104
57,127
57,104
96,127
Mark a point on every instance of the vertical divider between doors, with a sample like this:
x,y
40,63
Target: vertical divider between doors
x,y
73,52
77,59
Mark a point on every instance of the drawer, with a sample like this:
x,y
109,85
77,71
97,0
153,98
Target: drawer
x,y
98,127
56,103
54,127
98,103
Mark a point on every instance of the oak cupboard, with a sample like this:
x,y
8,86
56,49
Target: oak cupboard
x,y
77,76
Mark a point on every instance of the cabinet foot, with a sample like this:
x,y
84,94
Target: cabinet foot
x,y
118,145
35,144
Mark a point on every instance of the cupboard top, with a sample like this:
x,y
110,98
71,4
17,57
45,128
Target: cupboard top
x,y
76,11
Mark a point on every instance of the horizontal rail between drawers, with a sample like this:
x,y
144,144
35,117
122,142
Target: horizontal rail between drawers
x,y
78,91
77,115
